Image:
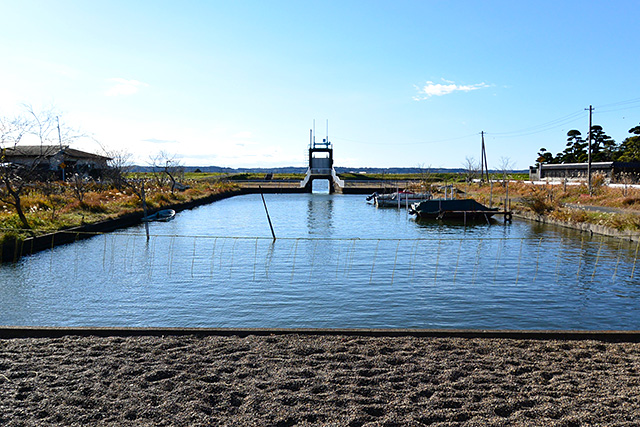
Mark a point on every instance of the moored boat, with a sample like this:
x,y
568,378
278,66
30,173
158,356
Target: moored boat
x,y
455,209
162,215
399,198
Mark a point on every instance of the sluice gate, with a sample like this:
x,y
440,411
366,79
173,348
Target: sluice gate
x,y
321,165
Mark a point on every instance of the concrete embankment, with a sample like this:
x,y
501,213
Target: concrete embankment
x,y
585,227
11,332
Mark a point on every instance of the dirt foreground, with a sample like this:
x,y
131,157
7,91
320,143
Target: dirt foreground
x,y
288,380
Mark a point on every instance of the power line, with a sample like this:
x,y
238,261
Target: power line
x,y
408,143
543,127
532,130
618,109
615,104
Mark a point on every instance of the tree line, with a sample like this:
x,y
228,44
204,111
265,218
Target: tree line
x,y
603,148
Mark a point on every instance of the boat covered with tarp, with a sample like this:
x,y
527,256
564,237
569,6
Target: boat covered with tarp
x,y
455,209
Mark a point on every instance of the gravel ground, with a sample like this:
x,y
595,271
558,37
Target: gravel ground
x,y
288,380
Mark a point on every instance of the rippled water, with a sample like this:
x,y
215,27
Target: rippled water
x,y
337,262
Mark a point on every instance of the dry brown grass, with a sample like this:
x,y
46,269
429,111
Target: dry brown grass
x,y
557,202
54,206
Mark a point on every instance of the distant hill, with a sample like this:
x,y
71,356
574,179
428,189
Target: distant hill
x,y
293,169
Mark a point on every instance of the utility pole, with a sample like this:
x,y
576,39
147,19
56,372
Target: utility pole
x,y
484,169
589,152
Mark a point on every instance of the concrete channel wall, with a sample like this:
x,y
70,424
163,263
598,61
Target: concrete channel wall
x,y
586,227
11,332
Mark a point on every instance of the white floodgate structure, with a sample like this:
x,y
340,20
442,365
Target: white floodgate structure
x,y
321,164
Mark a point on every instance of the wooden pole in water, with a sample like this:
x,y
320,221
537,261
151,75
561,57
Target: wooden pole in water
x,y
506,199
491,194
144,209
267,211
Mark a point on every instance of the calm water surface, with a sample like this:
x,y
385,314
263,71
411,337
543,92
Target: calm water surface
x,y
338,262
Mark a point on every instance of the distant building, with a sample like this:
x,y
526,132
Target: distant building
x,y
56,159
611,171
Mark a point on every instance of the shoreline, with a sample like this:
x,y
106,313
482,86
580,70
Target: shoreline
x,y
633,236
19,332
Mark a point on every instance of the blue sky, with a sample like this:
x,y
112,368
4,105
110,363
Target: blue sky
x,y
402,83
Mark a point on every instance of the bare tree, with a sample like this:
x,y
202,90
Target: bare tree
x,y
17,176
156,162
120,164
12,190
79,186
505,167
48,128
471,168
54,192
168,165
13,177
426,175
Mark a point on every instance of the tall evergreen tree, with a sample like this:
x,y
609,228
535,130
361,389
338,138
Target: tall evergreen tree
x,y
603,147
545,156
576,149
630,147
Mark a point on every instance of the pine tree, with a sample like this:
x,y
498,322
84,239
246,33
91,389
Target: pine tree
x,y
630,147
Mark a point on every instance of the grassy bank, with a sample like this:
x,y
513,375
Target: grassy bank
x,y
616,208
57,206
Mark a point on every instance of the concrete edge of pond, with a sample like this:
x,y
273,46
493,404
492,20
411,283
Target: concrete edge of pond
x,y
8,332
581,226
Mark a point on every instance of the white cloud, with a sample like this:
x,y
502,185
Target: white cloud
x,y
439,89
124,87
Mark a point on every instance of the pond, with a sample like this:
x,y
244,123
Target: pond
x,y
337,263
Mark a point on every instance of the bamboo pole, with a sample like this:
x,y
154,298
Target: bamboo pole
x,y
267,211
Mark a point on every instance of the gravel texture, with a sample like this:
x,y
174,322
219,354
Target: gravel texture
x,y
288,380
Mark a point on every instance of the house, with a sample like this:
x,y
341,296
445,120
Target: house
x,y
56,159
611,171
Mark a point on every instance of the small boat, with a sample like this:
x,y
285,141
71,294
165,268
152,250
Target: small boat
x,y
454,209
162,215
400,198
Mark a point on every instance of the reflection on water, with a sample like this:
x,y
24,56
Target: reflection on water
x,y
319,215
320,186
338,262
